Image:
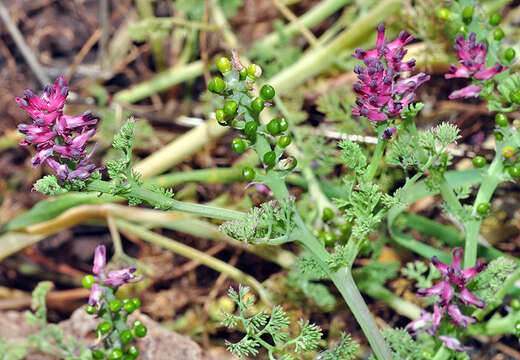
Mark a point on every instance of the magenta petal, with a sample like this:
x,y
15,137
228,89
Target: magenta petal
x,y
469,299
96,294
457,257
459,318
100,260
438,314
454,343
489,73
466,92
442,267
420,324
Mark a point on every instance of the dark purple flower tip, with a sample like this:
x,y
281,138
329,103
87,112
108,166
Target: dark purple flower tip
x,y
381,28
472,37
28,93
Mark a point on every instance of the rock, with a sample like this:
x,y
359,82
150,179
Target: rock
x,y
159,343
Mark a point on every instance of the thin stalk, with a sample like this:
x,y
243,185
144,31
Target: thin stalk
x,y
377,156
489,184
312,17
155,198
344,282
442,354
160,82
145,9
191,253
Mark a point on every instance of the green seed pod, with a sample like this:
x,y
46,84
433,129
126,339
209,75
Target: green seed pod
x,y
515,97
498,135
254,71
508,151
221,117
133,351
482,208
467,14
104,327
98,354
514,171
444,14
129,307
498,34
267,92
517,329
510,54
136,302
269,158
238,145
126,336
501,120
223,65
115,305
273,127
248,173
479,161
284,141
116,354
515,304
250,128
327,215
257,104
216,85
140,330
88,281
91,310
495,19
230,108
284,125
243,74
328,238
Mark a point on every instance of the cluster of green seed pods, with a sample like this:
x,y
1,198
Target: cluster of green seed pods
x,y
241,110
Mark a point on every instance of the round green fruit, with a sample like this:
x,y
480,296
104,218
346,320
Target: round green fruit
x,y
444,14
327,215
248,173
217,85
88,281
284,141
498,34
510,54
257,104
467,14
479,161
267,92
224,65
273,127
483,208
115,305
250,128
501,120
495,19
238,145
269,158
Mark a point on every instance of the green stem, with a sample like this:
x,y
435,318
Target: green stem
x,y
490,181
157,199
191,253
377,156
442,354
312,17
344,282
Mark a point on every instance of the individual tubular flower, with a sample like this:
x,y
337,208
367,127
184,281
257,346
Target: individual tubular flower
x,y
60,140
454,343
472,58
381,92
114,278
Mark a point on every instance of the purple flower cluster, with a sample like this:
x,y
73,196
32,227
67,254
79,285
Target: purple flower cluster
x,y
381,92
114,278
451,290
60,139
472,58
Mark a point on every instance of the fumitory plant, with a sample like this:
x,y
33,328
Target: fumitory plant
x,y
455,306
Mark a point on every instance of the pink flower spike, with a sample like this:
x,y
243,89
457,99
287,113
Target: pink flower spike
x,y
467,92
468,298
468,274
40,157
442,267
100,260
454,343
